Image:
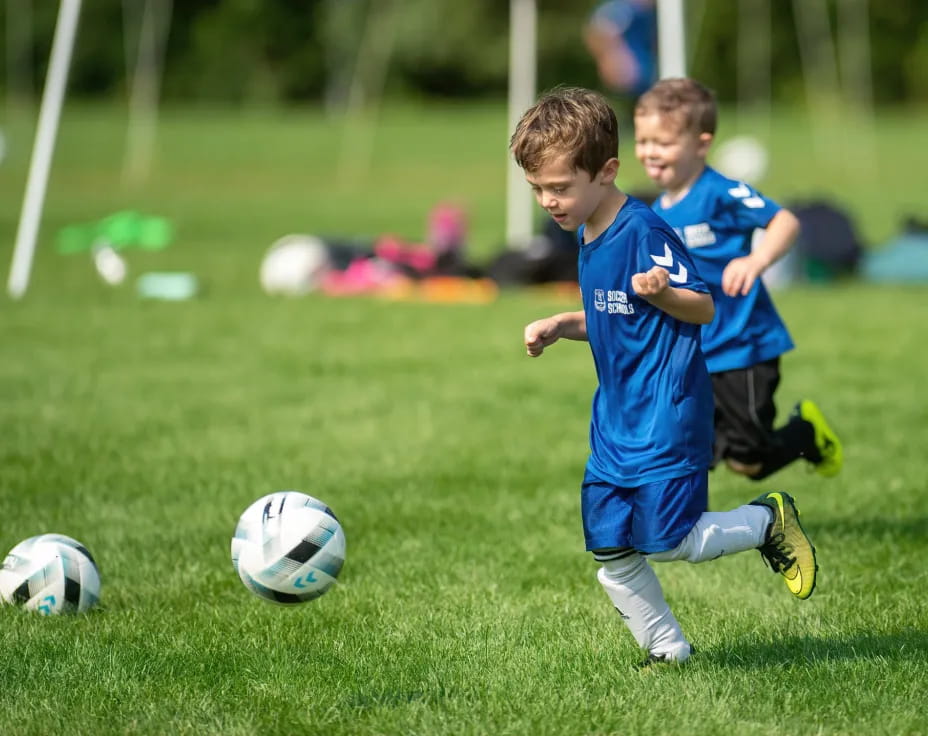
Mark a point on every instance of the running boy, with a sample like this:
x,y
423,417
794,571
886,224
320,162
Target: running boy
x,y
716,218
644,492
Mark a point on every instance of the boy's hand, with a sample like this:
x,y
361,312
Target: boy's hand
x,y
541,333
740,274
652,283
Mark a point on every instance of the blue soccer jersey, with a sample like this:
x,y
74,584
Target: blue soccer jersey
x,y
653,409
716,220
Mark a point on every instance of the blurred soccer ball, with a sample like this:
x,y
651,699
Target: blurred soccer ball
x,y
50,574
743,158
294,265
288,547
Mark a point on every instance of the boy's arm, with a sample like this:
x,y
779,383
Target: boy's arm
x,y
683,304
543,332
741,273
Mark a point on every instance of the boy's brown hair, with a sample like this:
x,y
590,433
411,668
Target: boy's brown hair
x,y
685,100
567,120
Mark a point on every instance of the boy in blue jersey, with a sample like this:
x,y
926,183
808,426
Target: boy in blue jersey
x,y
644,491
716,218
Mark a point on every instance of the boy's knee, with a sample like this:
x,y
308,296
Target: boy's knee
x,y
750,470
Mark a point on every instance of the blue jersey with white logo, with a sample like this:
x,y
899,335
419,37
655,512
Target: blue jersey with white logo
x,y
653,409
716,220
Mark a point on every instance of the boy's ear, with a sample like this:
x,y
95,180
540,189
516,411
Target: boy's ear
x,y
609,171
705,140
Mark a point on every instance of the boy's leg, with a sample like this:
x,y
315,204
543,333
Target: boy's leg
x,y
745,412
636,594
770,523
719,533
609,514
808,435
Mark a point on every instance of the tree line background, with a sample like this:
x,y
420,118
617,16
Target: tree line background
x,y
289,51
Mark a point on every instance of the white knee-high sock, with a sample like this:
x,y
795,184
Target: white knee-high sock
x,y
636,593
720,533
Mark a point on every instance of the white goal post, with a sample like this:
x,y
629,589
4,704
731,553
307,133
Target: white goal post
x,y
523,16
46,132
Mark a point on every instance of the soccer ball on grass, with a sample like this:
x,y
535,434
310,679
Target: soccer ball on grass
x,y
50,574
288,547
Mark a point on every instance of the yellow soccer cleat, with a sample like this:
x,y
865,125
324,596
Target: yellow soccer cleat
x,y
787,548
826,441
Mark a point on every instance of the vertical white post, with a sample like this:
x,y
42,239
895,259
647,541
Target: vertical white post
x,y
854,54
671,39
49,114
523,18
145,88
820,73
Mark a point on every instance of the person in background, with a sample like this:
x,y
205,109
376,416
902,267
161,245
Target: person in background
x,y
621,36
716,218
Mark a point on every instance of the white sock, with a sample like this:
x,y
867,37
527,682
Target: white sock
x,y
636,593
720,533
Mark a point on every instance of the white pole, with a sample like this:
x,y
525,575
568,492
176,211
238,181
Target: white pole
x,y
854,54
49,114
523,19
671,39
820,73
145,88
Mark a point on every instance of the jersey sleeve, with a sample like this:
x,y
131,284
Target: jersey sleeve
x,y
663,248
614,14
748,207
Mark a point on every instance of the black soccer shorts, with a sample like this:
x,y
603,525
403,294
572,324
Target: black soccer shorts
x,y
745,411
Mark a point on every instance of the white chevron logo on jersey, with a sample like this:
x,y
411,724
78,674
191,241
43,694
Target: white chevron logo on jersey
x,y
666,261
740,191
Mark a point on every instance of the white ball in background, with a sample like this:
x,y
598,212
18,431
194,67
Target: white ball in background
x,y
295,265
110,265
743,158
288,547
50,574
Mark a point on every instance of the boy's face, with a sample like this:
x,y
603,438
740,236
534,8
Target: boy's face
x,y
572,197
671,156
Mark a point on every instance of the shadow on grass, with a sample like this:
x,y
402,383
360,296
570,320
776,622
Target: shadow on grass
x,y
905,645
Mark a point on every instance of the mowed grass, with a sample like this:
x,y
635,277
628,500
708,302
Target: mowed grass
x,y
467,604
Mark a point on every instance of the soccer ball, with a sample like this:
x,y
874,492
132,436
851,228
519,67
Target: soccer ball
x,y
294,265
743,158
50,574
288,547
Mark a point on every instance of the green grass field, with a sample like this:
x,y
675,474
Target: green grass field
x,y
467,604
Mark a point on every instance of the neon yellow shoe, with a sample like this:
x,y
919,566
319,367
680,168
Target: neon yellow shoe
x,y
827,442
787,548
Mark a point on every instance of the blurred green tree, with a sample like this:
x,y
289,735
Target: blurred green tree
x,y
248,51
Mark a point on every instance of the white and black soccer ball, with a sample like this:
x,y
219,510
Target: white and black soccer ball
x,y
294,265
288,547
50,574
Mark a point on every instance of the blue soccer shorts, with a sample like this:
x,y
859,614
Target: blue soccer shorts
x,y
651,518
